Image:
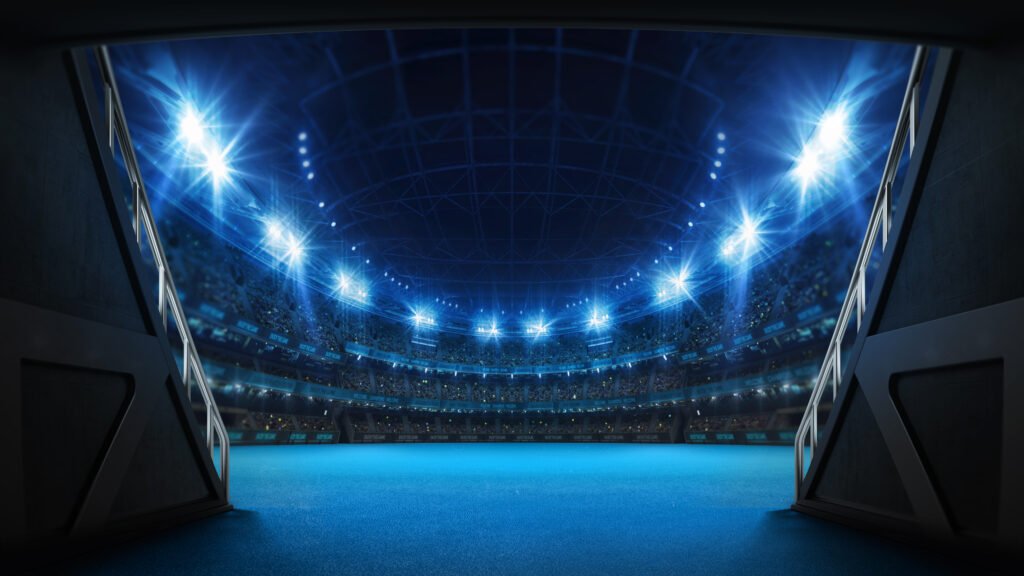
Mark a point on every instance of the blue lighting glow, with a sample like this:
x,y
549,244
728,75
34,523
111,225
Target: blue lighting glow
x,y
598,319
808,166
348,287
201,148
294,250
191,129
822,157
676,285
216,165
490,330
832,129
283,244
537,328
422,319
679,280
744,240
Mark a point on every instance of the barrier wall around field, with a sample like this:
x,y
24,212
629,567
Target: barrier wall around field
x,y
244,437
768,437
377,438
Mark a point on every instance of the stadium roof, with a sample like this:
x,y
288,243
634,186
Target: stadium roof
x,y
502,172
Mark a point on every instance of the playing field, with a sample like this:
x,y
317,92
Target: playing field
x,y
487,509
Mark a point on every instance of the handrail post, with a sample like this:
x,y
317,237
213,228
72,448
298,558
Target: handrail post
x,y
186,373
136,212
887,190
861,298
814,429
915,94
108,102
837,370
798,460
209,430
162,298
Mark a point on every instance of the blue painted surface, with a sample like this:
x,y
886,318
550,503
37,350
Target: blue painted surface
x,y
512,509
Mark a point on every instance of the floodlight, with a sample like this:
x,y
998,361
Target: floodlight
x,y
832,129
808,166
295,249
216,165
274,231
191,129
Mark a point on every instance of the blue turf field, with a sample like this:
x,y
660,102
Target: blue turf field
x,y
483,509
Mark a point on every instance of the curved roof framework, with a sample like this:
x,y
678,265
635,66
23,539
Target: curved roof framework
x,y
491,173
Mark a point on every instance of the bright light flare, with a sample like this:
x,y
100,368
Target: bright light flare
x,y
679,280
216,165
274,231
537,328
808,166
744,241
827,147
597,319
748,232
489,330
295,250
202,149
284,244
421,319
674,285
832,129
191,128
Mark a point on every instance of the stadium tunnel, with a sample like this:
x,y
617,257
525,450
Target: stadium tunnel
x,y
909,430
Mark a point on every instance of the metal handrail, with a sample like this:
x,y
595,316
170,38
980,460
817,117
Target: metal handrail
x,y
856,295
142,217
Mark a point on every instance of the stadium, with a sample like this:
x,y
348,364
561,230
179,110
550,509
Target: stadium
x,y
384,290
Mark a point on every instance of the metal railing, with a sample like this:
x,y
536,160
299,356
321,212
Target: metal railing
x,y
881,219
167,299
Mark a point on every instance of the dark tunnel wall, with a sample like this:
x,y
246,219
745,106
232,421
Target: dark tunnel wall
x,y
940,378
966,246
98,439
55,254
